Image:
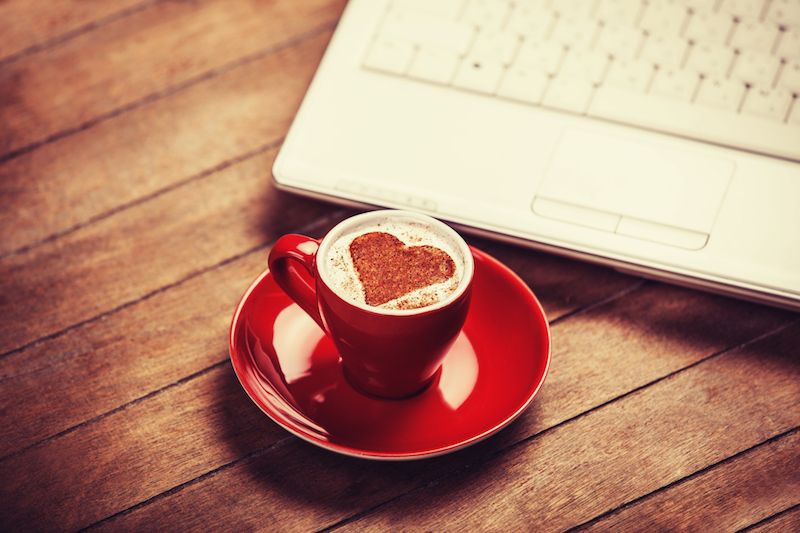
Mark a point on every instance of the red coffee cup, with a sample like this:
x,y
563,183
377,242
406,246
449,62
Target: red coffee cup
x,y
391,353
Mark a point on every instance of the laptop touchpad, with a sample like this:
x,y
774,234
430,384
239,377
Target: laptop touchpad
x,y
634,184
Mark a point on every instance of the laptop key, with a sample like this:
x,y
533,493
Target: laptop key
x,y
434,64
790,76
756,68
495,46
633,76
590,66
785,12
755,36
530,22
424,29
789,45
544,57
574,8
478,75
721,94
673,83
771,104
710,60
575,33
569,94
743,8
709,27
389,55
524,84
488,15
664,51
794,115
620,42
664,18
623,12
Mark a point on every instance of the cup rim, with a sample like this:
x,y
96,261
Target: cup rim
x,y
458,240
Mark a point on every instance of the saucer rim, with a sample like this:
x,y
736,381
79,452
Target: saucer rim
x,y
400,456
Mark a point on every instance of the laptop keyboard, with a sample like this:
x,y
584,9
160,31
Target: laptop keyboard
x,y
720,71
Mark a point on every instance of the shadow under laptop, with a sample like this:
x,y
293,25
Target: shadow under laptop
x,y
281,212
642,311
562,285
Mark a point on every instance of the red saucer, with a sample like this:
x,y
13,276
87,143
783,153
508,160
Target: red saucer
x,y
290,369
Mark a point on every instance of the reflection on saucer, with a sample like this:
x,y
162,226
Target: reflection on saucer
x,y
295,333
459,373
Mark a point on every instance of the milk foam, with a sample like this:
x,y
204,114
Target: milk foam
x,y
341,275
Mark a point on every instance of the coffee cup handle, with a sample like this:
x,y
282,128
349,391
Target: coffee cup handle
x,y
298,283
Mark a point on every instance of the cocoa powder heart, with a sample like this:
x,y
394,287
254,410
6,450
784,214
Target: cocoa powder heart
x,y
389,269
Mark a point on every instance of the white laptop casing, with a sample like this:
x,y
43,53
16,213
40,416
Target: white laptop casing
x,y
729,222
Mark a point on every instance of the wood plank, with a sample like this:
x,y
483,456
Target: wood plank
x,y
66,87
93,260
28,25
73,449
611,455
158,145
785,522
731,496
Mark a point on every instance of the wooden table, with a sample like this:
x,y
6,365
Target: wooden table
x,y
136,140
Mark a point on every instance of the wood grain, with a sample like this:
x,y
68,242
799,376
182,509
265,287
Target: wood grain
x,y
151,51
785,522
27,26
620,452
548,410
731,496
91,370
159,145
182,432
581,468
141,250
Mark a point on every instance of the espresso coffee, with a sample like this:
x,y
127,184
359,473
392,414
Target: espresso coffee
x,y
394,263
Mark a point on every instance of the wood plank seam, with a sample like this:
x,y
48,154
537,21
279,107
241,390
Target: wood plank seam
x,y
769,519
255,454
159,290
147,197
617,295
122,407
494,455
534,436
158,95
684,479
75,32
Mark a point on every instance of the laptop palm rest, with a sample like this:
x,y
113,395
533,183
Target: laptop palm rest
x,y
657,193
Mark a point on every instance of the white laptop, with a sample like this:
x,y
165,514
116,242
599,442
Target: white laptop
x,y
661,138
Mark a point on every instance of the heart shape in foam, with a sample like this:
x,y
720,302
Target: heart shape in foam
x,y
389,269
